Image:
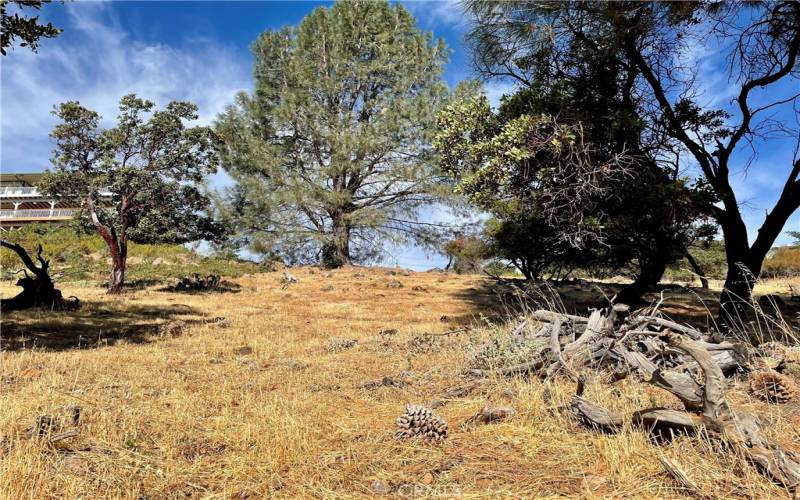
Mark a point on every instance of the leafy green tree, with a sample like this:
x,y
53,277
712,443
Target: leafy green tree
x,y
27,29
331,151
580,77
139,181
533,41
560,201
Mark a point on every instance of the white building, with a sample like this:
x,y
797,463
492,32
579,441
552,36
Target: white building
x,y
21,202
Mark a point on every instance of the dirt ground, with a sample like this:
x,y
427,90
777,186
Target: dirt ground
x,y
262,393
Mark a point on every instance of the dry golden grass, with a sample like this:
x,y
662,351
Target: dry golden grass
x,y
175,405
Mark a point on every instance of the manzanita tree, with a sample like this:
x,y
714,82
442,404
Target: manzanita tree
x,y
140,181
331,152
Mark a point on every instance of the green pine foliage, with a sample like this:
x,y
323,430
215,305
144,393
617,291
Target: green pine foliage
x,y
331,151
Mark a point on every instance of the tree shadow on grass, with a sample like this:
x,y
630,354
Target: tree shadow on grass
x,y
224,287
95,324
135,284
500,301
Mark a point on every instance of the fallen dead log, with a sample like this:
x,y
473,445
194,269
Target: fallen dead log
x,y
550,316
677,327
682,385
728,361
37,290
740,429
593,415
596,325
669,356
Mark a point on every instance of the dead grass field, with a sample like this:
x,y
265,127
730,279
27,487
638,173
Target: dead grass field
x,y
271,403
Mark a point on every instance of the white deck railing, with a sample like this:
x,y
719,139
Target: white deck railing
x,y
45,213
31,192
19,191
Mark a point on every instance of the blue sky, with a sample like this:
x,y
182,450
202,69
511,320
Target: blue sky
x,y
199,51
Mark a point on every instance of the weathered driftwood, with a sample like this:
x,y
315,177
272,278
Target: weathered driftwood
x,y
728,361
677,327
738,430
555,351
669,356
596,326
591,414
550,316
666,419
594,415
682,385
622,342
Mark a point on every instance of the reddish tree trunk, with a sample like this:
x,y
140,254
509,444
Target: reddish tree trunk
x,y
117,246
117,277
119,257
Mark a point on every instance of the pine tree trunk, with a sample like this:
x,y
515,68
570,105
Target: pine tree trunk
x,y
341,243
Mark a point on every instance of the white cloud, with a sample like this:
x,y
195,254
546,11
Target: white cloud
x,y
97,64
495,89
430,14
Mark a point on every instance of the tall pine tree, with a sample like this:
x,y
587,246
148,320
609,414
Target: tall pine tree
x,y
331,151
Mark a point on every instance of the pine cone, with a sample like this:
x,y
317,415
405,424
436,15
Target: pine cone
x,y
420,421
773,387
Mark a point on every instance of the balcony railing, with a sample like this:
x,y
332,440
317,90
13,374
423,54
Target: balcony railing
x,y
57,213
19,191
32,192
